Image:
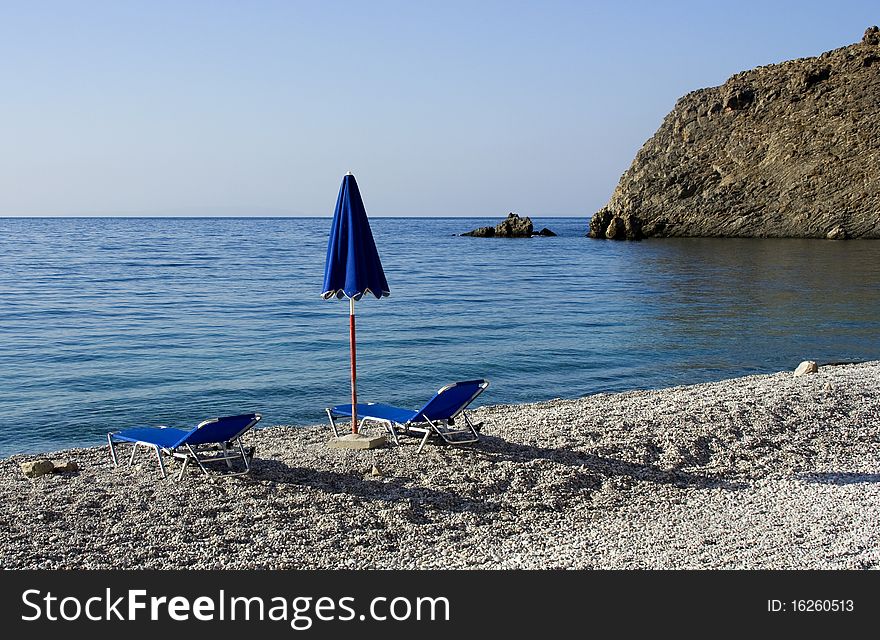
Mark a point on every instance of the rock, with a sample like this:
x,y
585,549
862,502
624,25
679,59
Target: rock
x,y
605,225
783,150
546,233
837,233
34,468
514,227
805,367
737,97
814,76
598,224
511,227
616,229
376,472
632,228
64,466
481,232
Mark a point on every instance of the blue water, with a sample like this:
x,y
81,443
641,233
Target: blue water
x,y
109,323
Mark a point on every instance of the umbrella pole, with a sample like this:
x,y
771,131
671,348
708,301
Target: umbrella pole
x,y
353,342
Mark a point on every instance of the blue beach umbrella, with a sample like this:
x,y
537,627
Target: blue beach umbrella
x,y
353,268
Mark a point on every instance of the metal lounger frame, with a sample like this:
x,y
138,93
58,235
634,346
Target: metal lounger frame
x,y
426,426
191,453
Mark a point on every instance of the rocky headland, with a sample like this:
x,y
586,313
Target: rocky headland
x,y
783,150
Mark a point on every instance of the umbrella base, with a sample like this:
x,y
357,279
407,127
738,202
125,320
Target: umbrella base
x,y
357,441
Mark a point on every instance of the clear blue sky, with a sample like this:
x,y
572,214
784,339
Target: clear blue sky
x,y
439,108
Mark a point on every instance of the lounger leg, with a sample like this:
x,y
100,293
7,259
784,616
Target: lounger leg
x,y
389,426
133,451
183,468
112,451
161,463
247,464
199,462
424,440
332,424
470,426
226,455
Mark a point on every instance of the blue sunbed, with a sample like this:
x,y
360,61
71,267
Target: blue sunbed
x,y
437,417
218,435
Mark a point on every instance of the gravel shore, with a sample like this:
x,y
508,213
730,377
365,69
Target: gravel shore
x,y
769,471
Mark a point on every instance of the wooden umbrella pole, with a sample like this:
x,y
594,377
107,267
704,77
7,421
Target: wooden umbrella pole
x,y
354,393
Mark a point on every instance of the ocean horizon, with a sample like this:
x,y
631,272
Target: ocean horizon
x,y
114,322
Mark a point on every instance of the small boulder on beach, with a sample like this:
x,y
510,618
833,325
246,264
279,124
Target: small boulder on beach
x,y
64,466
805,367
42,466
35,468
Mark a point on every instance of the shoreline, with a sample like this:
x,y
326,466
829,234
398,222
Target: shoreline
x,y
763,471
64,452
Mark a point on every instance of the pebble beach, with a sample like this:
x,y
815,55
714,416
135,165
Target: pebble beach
x,y
760,472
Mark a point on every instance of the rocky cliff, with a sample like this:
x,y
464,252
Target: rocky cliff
x,y
784,150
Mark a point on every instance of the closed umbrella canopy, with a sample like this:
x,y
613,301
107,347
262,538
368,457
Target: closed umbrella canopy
x,y
353,267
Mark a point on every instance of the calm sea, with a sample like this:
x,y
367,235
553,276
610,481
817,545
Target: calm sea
x,y
112,323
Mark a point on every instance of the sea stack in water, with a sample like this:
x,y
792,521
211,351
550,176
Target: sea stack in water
x,y
784,150
511,227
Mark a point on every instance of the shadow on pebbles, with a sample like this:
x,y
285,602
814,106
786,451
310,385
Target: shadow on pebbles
x,y
758,472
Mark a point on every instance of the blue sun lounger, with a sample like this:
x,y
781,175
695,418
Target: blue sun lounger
x,y
437,417
213,440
